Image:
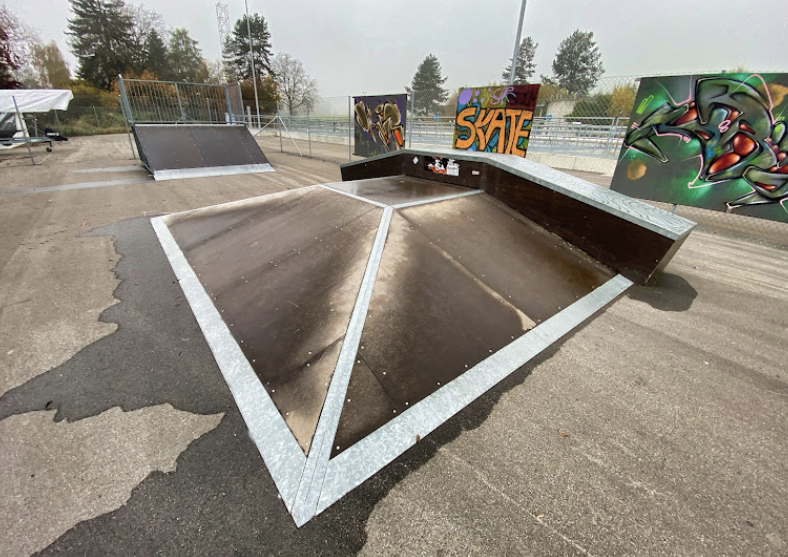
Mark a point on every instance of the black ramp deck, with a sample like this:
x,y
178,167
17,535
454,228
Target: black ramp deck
x,y
394,190
192,150
458,281
284,272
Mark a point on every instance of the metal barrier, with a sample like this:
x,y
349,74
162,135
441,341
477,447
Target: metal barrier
x,y
170,102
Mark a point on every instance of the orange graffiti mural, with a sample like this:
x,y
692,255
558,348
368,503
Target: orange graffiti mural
x,y
495,120
505,130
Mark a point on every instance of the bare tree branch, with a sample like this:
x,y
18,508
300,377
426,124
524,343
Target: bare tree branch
x,y
295,87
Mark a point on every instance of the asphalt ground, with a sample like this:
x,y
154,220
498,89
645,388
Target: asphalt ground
x,y
656,428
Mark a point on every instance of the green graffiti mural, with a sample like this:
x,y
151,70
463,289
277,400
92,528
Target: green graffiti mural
x,y
717,142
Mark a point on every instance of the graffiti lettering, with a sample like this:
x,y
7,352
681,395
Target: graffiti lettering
x,y
496,120
499,130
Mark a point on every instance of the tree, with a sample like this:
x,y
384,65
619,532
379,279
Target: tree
x,y
266,92
550,91
426,86
49,65
236,49
144,23
9,61
587,110
294,86
525,63
622,100
101,39
16,43
184,57
214,72
156,54
578,63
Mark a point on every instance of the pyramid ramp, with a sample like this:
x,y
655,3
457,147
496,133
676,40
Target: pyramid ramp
x,y
350,320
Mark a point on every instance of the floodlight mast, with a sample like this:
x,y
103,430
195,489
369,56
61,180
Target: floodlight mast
x,y
517,43
251,60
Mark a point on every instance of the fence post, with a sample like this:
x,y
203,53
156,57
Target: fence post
x,y
229,108
349,127
241,99
412,117
98,124
279,126
124,101
308,133
180,105
249,114
125,107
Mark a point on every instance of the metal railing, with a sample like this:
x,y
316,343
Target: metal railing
x,y
549,135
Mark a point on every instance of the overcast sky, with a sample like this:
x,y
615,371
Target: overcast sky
x,y
363,46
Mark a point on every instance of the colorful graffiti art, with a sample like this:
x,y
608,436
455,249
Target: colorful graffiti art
x,y
380,124
713,141
495,119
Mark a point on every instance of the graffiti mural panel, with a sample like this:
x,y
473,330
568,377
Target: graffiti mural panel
x,y
713,141
495,119
380,124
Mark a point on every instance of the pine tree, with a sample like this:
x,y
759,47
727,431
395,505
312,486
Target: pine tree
x,y
578,63
525,63
184,57
101,39
236,50
156,55
426,86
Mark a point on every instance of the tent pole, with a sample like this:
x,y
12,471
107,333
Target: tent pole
x,y
24,131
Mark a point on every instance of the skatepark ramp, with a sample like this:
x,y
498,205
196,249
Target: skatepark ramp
x,y
171,151
350,320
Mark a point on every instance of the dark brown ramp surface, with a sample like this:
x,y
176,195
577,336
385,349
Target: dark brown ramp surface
x,y
458,281
396,190
349,320
284,271
192,150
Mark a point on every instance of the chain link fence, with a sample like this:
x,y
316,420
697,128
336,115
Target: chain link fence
x,y
78,120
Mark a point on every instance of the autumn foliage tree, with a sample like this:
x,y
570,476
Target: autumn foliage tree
x,y
622,100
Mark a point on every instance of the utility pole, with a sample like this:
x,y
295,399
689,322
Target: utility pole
x,y
251,60
517,43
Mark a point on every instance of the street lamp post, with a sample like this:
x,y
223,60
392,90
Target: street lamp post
x,y
251,60
517,43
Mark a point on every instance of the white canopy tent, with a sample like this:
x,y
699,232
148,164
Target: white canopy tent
x,y
14,103
34,100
